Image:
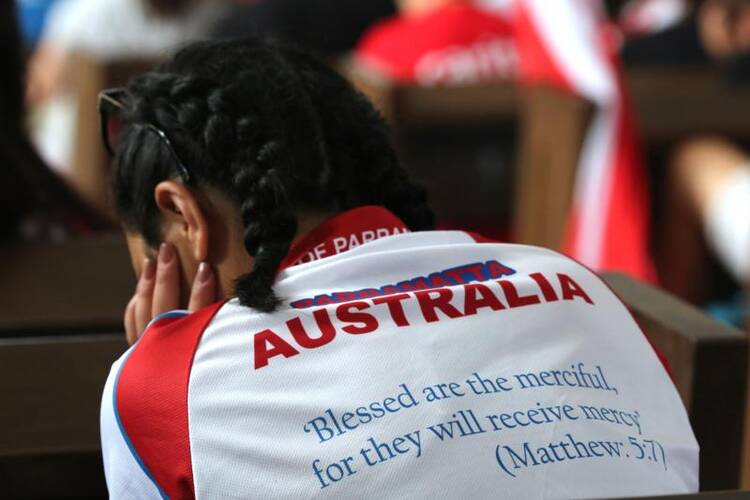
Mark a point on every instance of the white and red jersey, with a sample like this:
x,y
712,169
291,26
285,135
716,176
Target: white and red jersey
x,y
400,365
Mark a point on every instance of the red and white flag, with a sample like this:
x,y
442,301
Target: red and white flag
x,y
567,43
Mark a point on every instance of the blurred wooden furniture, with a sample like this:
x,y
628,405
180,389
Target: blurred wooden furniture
x,y
709,367
89,168
458,141
553,127
61,308
669,105
73,287
49,426
413,104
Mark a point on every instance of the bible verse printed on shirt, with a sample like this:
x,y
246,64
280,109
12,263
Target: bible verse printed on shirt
x,y
571,440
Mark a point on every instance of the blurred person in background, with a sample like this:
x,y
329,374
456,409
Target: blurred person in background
x,y
708,199
715,34
112,30
34,203
441,42
637,18
107,31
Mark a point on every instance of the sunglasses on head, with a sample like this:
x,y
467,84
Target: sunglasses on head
x,y
111,104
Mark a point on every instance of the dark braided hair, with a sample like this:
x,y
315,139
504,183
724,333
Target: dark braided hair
x,y
272,128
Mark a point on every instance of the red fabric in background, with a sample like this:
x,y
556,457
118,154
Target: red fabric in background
x,y
607,231
623,201
459,38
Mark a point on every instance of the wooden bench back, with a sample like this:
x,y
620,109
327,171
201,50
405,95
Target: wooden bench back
x,y
709,367
51,389
57,301
669,104
74,287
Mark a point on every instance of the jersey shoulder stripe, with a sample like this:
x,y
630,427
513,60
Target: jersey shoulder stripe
x,y
125,436
150,399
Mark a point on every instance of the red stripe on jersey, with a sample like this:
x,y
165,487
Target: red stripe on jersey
x,y
152,396
343,232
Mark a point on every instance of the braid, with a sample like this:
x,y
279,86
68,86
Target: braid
x,y
273,129
385,182
267,214
270,224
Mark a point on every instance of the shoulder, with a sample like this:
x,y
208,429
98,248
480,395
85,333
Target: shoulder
x,y
144,408
425,259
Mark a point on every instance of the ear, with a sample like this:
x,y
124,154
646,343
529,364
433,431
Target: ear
x,y
183,220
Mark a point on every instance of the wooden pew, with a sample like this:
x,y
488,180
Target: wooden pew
x,y
61,308
553,126
49,424
669,105
74,287
457,141
709,367
672,103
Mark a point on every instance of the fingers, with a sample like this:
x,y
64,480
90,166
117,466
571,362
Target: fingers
x,y
166,296
131,332
158,291
144,296
203,292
